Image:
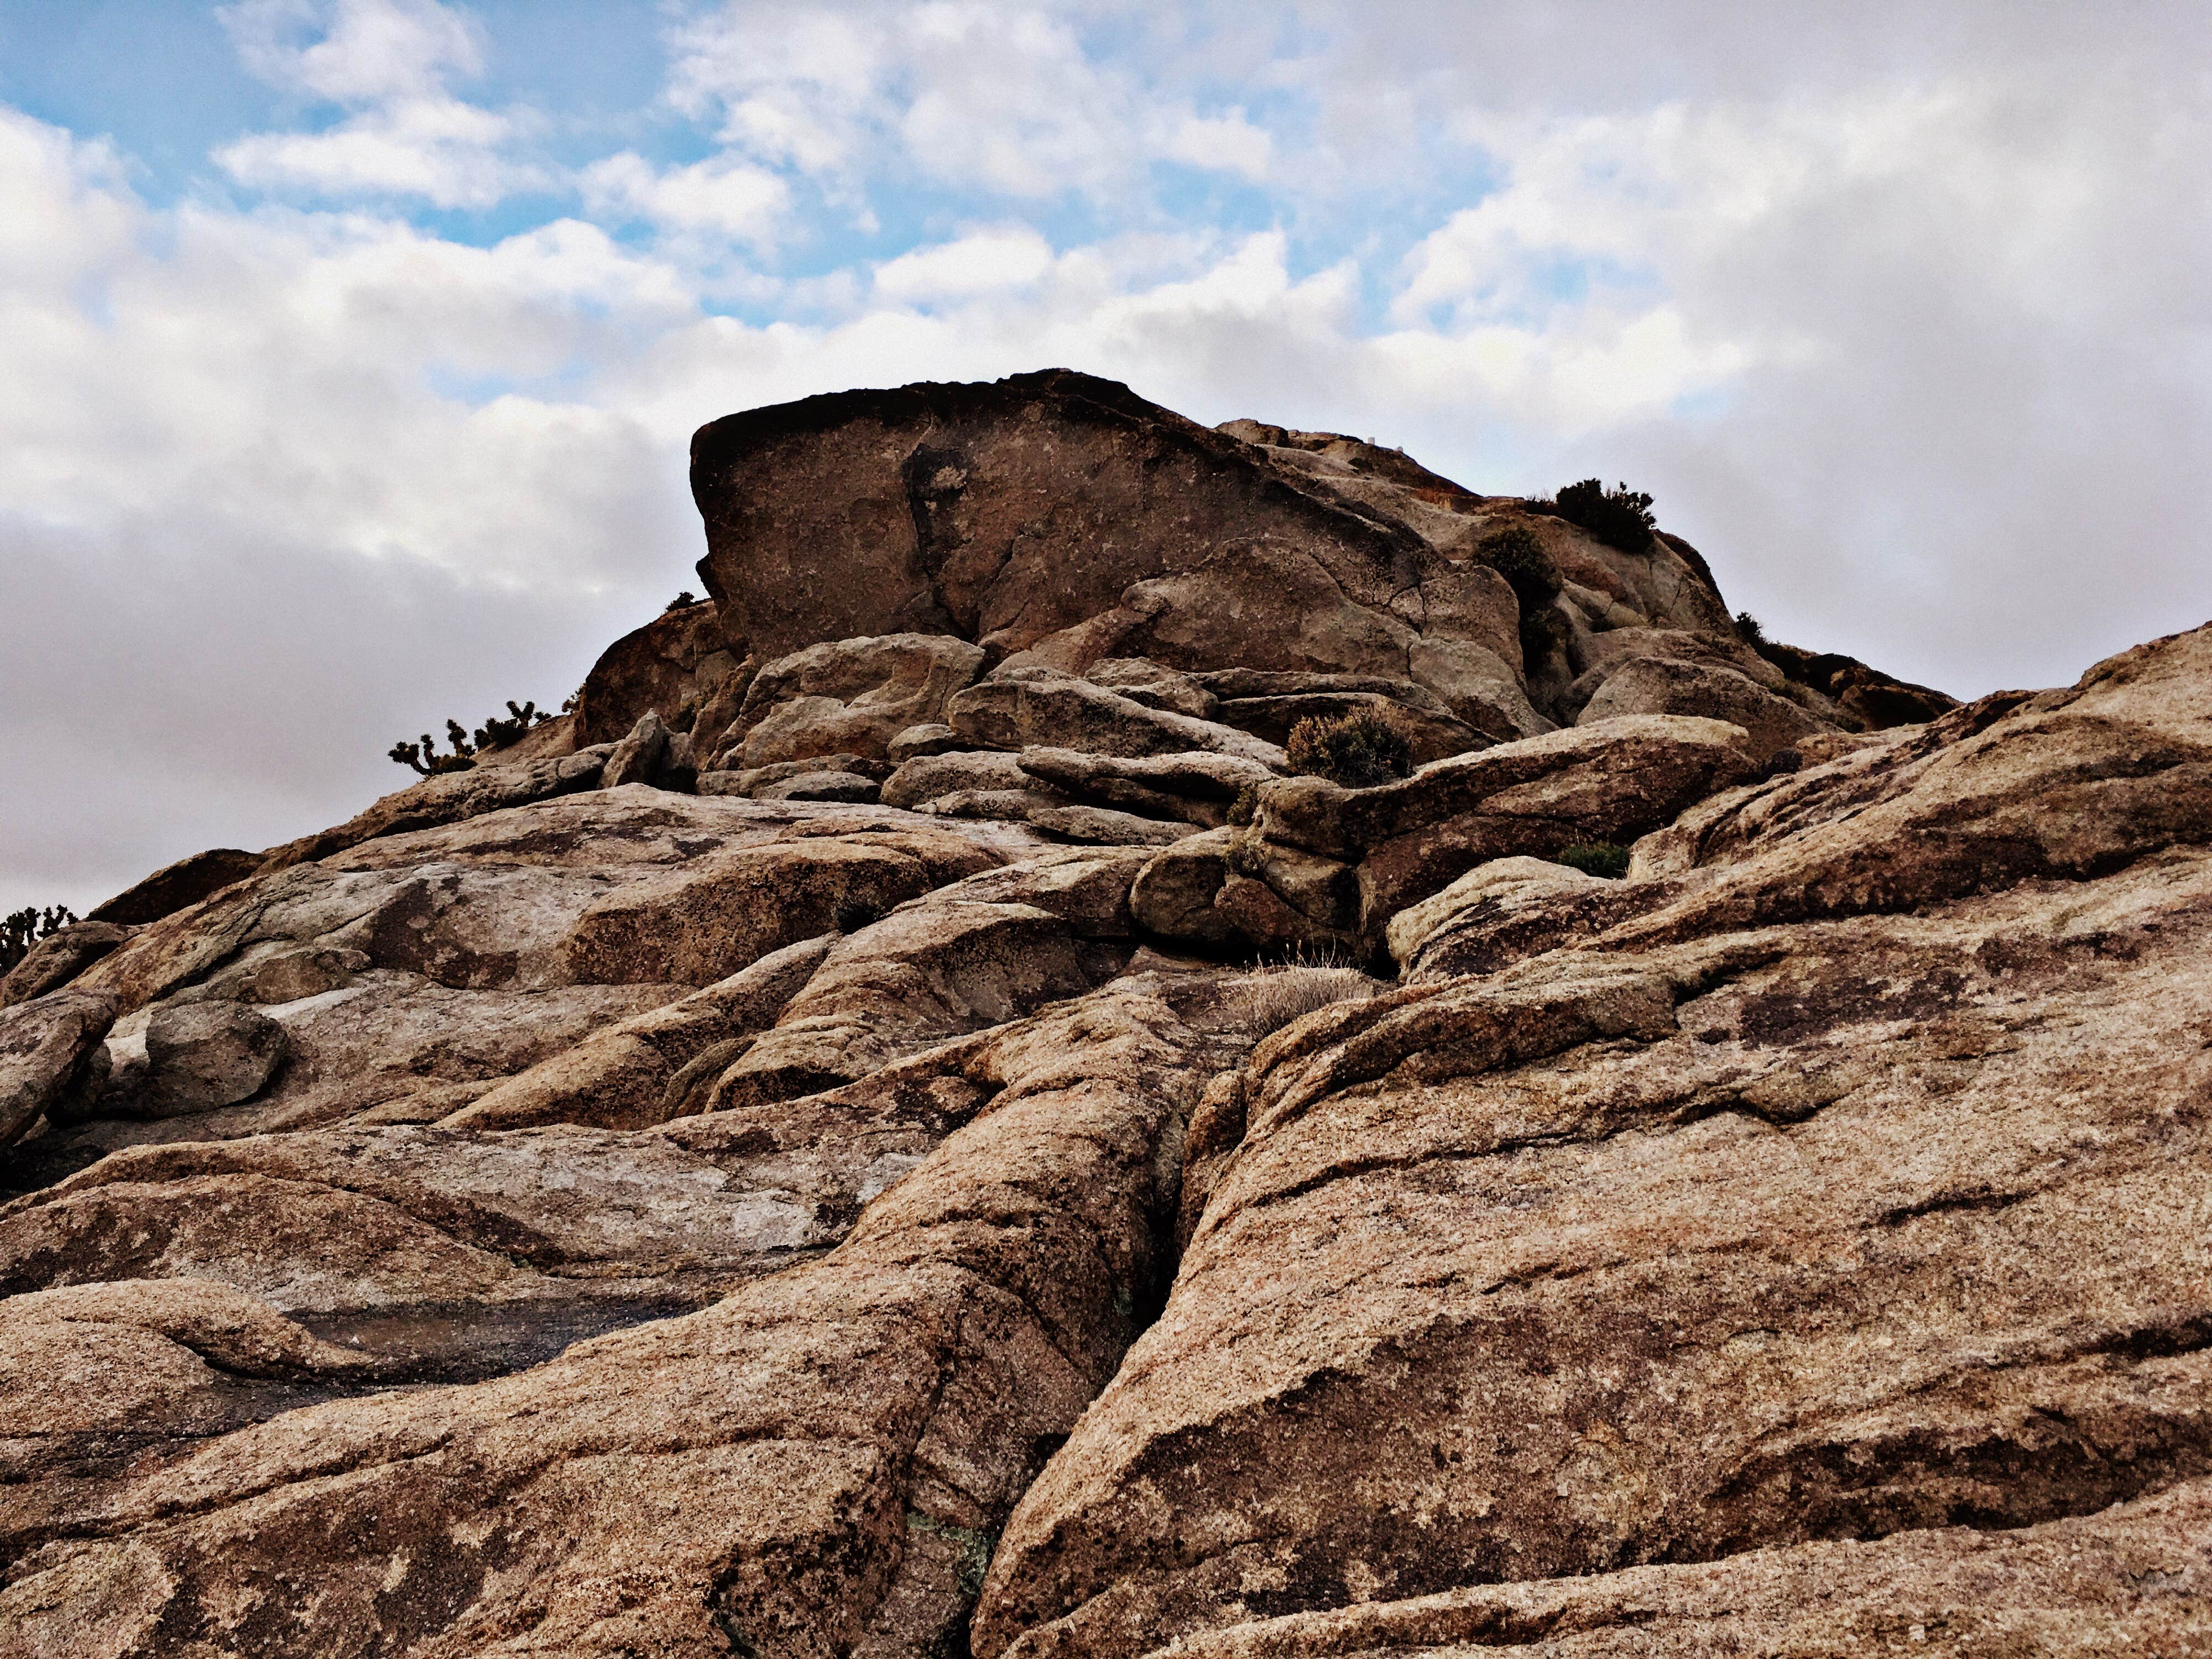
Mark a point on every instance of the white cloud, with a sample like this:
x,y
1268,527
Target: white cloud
x,y
389,61
370,51
974,94
982,262
1225,144
723,197
441,149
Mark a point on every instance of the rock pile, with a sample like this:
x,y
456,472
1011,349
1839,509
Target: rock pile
x,y
901,1126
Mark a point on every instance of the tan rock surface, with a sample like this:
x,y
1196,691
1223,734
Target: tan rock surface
x,y
809,1467
1701,1238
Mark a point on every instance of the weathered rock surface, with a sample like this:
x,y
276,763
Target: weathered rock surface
x,y
60,957
1705,1236
1660,685
1044,708
1006,1207
675,667
848,696
45,1045
818,1463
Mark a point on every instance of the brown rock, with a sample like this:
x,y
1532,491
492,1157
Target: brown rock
x,y
57,959
201,1055
450,797
644,755
172,887
928,971
1039,708
1707,1238
1658,686
620,1077
711,917
812,1463
669,667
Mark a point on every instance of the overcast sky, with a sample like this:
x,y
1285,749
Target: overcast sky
x,y
350,349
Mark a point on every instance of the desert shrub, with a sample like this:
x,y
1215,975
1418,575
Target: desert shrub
x,y
18,932
1608,860
682,601
423,756
1748,631
1246,807
1620,516
1358,750
1273,997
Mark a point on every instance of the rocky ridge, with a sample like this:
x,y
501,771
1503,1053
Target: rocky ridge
x,y
902,1125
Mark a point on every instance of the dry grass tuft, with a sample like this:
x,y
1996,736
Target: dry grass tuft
x,y
1271,998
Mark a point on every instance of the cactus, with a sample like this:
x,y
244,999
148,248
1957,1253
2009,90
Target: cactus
x,y
25,927
424,758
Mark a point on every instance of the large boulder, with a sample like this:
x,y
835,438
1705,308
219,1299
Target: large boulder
x,y
1067,519
1324,864
674,666
60,957
1661,685
201,1055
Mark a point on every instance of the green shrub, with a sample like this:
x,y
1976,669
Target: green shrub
x,y
1748,631
1358,750
682,601
26,927
1246,807
1608,860
1620,517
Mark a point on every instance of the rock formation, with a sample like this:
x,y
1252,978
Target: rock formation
x,y
901,1126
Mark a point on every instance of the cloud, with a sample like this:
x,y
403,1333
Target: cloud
x,y
976,95
371,50
982,262
723,198
389,61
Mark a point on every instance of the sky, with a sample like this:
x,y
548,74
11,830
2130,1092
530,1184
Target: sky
x,y
349,350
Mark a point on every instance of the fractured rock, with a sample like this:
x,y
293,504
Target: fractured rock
x,y
1040,707
45,1045
1660,685
849,695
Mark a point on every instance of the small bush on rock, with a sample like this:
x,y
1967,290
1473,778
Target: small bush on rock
x,y
26,927
1748,631
1246,807
497,733
1620,516
1607,860
682,601
423,756
1357,750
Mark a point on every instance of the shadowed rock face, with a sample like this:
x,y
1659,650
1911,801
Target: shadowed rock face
x,y
898,1200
